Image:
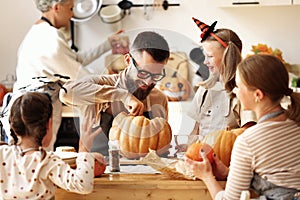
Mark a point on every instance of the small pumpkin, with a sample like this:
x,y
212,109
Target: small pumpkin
x,y
138,134
224,144
193,151
99,168
175,87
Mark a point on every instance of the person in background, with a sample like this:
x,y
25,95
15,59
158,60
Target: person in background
x,y
132,90
46,57
266,157
215,106
27,171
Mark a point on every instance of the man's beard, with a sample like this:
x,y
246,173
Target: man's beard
x,y
136,91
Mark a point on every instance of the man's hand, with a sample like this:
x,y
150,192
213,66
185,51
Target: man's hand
x,y
134,106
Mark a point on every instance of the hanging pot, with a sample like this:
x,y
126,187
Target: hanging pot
x,y
125,5
85,9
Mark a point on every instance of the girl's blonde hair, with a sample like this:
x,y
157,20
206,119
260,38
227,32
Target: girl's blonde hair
x,y
231,58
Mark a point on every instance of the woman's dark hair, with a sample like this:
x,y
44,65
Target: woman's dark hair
x,y
29,116
152,43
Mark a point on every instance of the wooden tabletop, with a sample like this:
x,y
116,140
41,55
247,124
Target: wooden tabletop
x,y
141,186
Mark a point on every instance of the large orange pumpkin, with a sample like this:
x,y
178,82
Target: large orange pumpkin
x,y
193,151
224,144
138,134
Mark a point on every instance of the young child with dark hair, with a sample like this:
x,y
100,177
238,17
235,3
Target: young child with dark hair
x,y
27,171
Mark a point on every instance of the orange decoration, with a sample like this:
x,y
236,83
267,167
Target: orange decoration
x,y
224,144
99,168
193,151
176,88
265,49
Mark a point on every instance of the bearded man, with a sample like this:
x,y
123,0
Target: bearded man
x,y
99,98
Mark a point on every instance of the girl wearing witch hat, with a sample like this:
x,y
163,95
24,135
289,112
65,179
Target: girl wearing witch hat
x,y
265,157
214,106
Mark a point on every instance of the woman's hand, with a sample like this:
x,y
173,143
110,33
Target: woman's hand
x,y
87,136
202,170
220,170
115,36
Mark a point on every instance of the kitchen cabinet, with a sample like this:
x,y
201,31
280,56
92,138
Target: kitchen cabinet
x,y
296,2
275,2
239,3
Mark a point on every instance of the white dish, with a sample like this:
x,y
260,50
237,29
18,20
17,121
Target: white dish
x,y
68,157
65,149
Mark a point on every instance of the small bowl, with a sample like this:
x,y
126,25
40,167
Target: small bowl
x,y
68,157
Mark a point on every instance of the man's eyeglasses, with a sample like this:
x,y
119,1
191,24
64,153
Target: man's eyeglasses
x,y
143,74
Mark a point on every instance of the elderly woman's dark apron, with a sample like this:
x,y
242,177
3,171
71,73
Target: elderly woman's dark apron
x,y
270,191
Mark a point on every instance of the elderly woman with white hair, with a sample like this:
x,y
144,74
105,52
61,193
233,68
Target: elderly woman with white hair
x,y
45,54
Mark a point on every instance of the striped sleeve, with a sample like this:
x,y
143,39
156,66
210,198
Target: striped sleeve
x,y
270,149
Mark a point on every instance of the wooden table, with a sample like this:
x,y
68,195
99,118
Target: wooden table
x,y
141,187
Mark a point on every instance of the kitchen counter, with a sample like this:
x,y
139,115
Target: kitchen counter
x,y
141,186
130,185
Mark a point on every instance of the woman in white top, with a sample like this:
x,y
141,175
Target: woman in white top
x,y
45,52
266,157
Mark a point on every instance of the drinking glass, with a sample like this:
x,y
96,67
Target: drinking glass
x,y
182,142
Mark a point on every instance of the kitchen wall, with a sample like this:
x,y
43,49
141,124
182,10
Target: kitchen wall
x,y
276,26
